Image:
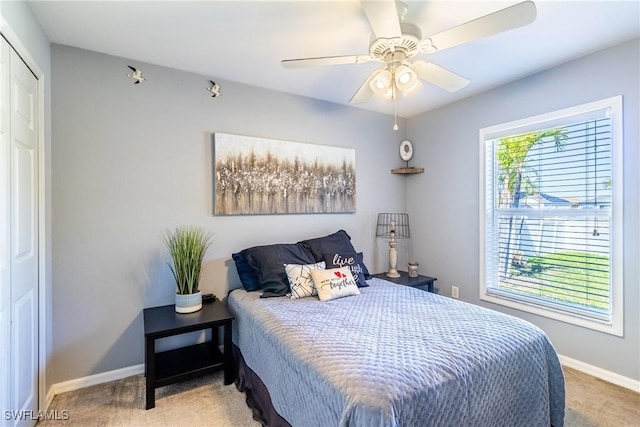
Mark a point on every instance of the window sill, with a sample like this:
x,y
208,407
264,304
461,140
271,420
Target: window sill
x,y
612,328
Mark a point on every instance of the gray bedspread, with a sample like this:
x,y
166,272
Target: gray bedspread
x,y
398,356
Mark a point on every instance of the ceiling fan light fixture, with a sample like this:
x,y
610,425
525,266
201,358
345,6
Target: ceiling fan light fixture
x,y
380,84
395,43
405,78
411,89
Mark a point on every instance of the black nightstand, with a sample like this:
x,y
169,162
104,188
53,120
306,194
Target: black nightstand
x,y
188,362
421,282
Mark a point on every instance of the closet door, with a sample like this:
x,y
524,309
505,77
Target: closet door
x,y
19,224
5,242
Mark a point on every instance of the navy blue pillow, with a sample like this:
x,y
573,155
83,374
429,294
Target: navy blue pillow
x,y
337,243
268,264
248,277
352,260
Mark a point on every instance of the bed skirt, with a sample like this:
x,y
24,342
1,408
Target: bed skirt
x,y
258,398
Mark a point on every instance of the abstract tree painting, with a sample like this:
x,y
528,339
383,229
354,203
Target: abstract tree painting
x,y
264,176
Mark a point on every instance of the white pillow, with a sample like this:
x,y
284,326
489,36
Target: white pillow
x,y
334,283
300,279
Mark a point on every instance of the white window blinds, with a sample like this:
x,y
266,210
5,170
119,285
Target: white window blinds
x,y
548,208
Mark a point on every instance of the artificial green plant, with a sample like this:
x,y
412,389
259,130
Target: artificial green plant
x,y
187,246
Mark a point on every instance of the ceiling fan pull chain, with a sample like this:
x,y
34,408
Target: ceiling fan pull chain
x,y
395,108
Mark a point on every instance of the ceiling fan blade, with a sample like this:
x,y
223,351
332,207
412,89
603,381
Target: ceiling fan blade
x,y
383,17
325,60
439,76
506,19
364,93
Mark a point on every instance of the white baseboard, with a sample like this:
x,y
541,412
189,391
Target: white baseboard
x,y
49,398
603,374
83,382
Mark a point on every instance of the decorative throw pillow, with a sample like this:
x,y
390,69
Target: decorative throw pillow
x,y
300,280
248,277
338,242
268,264
353,261
334,283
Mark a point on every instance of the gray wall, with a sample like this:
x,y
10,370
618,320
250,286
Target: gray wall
x,y
445,198
130,161
20,19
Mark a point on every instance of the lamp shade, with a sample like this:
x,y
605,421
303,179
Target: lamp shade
x,y
405,77
398,223
406,80
380,84
411,89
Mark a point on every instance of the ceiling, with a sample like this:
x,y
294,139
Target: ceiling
x,y
244,41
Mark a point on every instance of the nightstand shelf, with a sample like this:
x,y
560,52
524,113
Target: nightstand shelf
x,y
187,362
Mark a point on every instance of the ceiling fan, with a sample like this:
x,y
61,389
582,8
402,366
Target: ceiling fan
x,y
395,43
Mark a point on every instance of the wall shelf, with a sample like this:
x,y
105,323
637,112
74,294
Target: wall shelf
x,y
407,170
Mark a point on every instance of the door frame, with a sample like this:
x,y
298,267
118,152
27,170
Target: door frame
x,y
44,216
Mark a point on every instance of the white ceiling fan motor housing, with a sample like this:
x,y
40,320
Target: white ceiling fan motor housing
x,y
408,44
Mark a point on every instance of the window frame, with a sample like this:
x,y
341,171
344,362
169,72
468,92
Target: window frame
x,y
615,325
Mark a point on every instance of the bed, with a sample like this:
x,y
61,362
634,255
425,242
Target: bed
x,y
392,355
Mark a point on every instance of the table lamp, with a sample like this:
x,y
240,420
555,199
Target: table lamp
x,y
393,226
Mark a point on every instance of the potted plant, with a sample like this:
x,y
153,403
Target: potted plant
x,y
187,246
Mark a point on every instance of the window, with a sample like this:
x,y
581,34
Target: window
x,y
551,215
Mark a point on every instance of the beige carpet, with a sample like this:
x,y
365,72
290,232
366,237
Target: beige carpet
x,y
207,402
591,402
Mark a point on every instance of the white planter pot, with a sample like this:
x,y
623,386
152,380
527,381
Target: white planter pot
x,y
188,303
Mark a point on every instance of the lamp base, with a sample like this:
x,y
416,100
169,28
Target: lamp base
x,y
393,273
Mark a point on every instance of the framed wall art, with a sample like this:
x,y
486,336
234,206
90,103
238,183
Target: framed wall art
x,y
254,176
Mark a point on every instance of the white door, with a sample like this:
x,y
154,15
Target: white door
x,y
23,236
5,241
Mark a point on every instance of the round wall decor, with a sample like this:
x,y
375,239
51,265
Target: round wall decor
x,y
406,150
